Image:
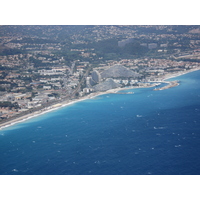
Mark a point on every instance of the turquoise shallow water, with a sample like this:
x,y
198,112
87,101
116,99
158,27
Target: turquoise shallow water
x,y
148,132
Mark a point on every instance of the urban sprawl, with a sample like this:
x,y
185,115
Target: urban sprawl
x,y
42,66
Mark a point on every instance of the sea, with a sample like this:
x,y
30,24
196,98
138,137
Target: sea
x,y
137,132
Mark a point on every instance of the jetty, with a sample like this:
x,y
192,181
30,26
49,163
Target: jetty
x,y
170,85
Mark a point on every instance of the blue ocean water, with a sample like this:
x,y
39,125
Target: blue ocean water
x,y
148,132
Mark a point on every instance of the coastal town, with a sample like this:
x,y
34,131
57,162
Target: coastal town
x,y
56,66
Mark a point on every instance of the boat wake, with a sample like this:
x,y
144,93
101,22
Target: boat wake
x,y
159,127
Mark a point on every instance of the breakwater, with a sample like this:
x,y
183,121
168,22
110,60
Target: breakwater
x,y
170,85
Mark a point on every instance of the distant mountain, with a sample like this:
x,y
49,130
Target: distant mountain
x,y
118,71
106,85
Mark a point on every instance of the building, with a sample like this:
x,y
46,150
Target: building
x,y
122,43
96,76
152,45
90,82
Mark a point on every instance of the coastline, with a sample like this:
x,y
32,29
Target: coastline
x,y
90,96
169,76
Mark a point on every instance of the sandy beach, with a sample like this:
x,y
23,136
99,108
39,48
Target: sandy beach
x,y
90,96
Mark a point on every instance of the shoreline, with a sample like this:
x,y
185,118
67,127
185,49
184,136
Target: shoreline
x,y
169,76
90,96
